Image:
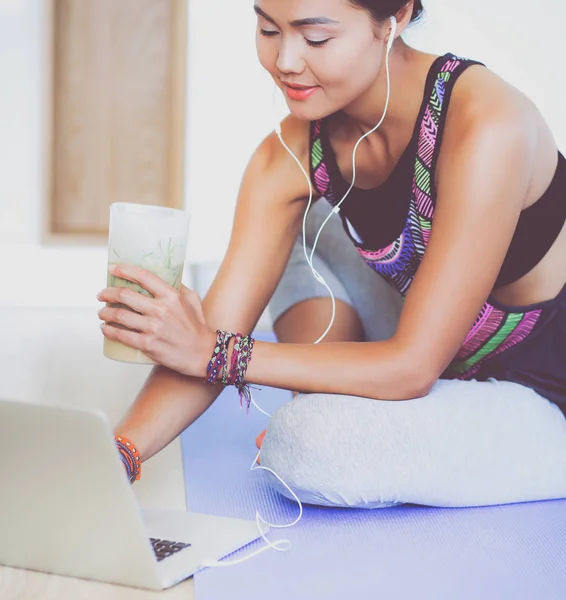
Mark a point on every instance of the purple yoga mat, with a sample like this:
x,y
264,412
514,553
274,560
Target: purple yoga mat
x,y
507,552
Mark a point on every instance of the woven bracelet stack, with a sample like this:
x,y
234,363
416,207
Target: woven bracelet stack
x,y
218,371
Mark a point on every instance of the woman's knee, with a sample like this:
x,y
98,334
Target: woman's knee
x,y
289,451
318,437
286,433
305,321
321,455
298,285
296,436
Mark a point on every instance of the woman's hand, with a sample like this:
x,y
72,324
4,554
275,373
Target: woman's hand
x,y
170,328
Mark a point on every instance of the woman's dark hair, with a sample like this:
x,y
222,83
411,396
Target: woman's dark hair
x,y
381,10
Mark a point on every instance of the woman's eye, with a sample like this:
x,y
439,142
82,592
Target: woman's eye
x,y
314,44
318,44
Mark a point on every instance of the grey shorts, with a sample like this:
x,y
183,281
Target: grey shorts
x,y
351,280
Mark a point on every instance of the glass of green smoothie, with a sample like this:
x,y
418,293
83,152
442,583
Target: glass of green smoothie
x,y
151,237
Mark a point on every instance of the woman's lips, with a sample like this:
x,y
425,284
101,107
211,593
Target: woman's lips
x,y
299,93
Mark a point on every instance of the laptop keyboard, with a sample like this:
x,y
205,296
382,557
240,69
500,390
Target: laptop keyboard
x,y
165,548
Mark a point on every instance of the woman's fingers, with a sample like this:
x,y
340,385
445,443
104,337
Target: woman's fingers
x,y
120,315
126,337
127,297
150,282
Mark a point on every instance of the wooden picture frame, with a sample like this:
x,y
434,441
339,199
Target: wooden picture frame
x,y
115,83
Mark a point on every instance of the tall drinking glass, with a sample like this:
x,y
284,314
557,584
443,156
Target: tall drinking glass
x,y
152,237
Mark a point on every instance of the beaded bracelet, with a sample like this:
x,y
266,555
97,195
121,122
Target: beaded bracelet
x,y
130,457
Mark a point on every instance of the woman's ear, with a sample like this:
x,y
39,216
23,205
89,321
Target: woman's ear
x,y
404,16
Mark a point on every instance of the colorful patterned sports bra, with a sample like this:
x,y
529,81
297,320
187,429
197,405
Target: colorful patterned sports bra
x,y
498,328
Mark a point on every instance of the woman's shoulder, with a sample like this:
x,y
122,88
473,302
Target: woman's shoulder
x,y
481,96
274,161
483,101
296,135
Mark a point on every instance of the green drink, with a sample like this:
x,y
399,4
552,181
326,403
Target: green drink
x,y
150,237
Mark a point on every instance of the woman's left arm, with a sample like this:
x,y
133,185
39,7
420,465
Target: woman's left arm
x,y
482,183
483,178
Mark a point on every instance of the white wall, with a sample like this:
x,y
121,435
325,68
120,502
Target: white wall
x,y
230,108
230,111
31,274
19,170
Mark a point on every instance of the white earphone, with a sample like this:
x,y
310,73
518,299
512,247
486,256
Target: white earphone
x,y
283,545
336,209
391,39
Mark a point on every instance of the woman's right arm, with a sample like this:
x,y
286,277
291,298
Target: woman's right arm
x,y
268,218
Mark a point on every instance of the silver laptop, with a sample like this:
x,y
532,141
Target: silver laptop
x,y
66,506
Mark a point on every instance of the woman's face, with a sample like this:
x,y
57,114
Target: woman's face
x,y
323,54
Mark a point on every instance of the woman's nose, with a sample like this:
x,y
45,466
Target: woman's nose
x,y
289,59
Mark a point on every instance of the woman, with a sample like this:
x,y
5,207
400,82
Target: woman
x,y
443,378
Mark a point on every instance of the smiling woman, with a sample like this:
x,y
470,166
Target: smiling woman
x,y
347,37
453,344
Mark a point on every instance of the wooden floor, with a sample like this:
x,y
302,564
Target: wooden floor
x,y
54,356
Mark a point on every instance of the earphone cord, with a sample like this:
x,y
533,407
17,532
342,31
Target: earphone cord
x,y
284,545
